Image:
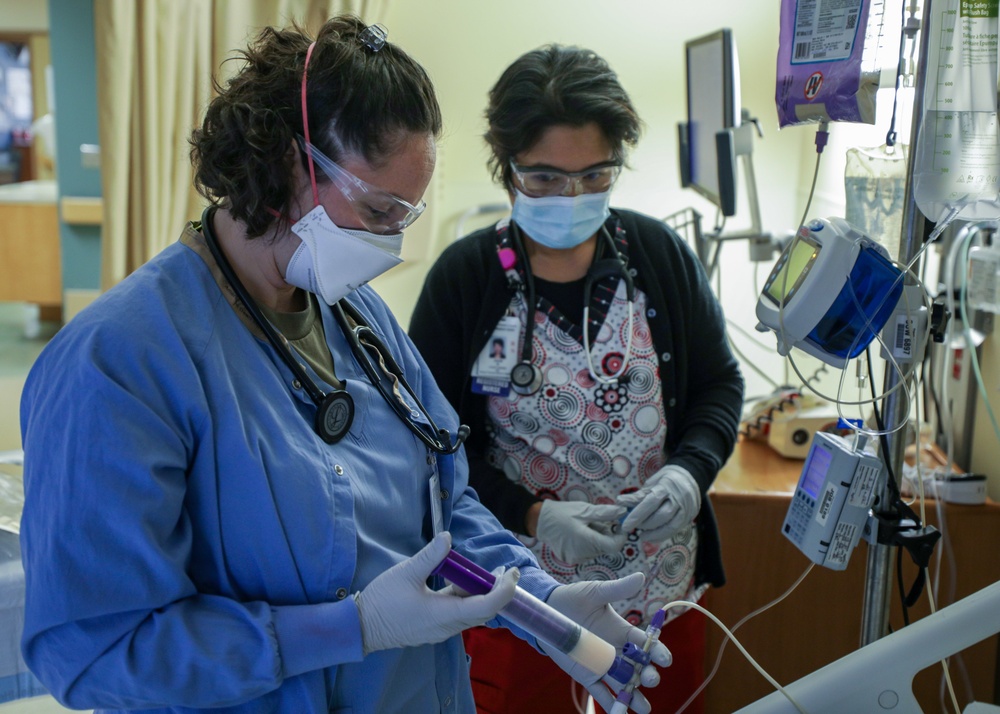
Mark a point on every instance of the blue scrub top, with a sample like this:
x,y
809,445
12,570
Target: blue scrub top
x,y
189,542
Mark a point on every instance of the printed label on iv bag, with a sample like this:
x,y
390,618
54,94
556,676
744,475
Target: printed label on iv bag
x,y
957,159
825,31
827,60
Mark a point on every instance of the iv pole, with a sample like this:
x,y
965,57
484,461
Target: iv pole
x,y
878,583
879,675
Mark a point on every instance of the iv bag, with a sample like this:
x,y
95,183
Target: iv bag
x,y
875,186
828,61
957,155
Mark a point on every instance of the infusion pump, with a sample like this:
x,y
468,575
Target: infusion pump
x,y
831,291
833,499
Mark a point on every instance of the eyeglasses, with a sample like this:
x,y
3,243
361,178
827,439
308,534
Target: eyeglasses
x,y
540,181
379,211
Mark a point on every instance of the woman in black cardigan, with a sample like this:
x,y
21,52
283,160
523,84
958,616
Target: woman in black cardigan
x,y
598,441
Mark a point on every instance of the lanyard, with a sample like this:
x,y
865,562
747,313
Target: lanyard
x,y
526,376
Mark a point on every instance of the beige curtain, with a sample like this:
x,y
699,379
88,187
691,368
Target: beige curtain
x,y
155,61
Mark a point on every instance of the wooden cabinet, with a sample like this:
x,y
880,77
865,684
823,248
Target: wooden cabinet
x,y
30,269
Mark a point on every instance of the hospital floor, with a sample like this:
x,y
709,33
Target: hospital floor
x,y
35,705
21,340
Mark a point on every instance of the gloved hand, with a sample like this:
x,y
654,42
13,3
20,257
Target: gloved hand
x,y
667,502
578,531
397,609
586,603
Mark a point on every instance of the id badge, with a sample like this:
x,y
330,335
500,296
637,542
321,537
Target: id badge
x,y
437,515
491,371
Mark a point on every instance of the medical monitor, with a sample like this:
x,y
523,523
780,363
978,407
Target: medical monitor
x,y
707,146
791,269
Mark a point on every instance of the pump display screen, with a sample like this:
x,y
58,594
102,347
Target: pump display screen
x,y
815,471
791,270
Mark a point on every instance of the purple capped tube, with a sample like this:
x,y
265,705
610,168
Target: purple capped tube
x,y
533,616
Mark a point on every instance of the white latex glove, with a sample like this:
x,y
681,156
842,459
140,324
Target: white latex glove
x,y
578,531
667,502
587,604
397,609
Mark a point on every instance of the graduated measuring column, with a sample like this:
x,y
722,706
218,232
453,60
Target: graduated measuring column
x,y
957,157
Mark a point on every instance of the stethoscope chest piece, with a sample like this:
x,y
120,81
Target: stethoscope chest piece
x,y
525,378
334,416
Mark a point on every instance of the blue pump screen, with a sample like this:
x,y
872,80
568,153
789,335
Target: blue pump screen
x,y
861,309
815,471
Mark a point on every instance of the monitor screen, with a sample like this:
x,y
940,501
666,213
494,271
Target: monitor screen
x,y
814,473
791,269
713,106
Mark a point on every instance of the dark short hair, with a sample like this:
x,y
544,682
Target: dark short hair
x,y
360,102
556,85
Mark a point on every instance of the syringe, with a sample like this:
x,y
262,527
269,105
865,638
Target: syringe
x,y
624,697
539,619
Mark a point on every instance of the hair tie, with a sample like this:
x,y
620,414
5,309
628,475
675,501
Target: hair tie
x,y
373,37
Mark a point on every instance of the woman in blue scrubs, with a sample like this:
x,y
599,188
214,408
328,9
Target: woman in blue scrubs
x,y
239,473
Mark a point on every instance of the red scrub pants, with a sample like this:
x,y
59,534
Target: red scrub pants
x,y
510,677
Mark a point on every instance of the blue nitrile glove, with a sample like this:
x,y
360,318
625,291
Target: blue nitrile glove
x,y
587,604
667,502
578,531
397,609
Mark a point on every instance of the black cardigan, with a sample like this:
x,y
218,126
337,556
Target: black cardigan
x,y
465,295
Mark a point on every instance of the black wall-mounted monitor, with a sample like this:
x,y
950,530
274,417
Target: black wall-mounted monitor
x,y
707,148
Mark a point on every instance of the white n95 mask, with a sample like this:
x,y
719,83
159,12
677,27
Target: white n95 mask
x,y
332,261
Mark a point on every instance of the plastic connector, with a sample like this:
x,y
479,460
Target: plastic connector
x,y
822,136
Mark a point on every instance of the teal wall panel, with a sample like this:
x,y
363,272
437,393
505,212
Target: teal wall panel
x,y
74,68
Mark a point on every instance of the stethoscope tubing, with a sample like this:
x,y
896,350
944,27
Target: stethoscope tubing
x,y
526,376
439,443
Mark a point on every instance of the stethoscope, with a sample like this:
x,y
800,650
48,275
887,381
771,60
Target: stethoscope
x,y
526,376
335,409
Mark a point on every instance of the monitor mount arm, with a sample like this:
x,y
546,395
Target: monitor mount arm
x,y
735,143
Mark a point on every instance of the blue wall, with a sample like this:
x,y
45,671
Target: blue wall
x,y
74,66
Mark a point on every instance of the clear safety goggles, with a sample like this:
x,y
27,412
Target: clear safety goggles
x,y
379,211
544,181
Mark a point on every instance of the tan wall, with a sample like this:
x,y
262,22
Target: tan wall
x,y
24,15
465,46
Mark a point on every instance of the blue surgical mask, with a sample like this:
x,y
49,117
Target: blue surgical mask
x,y
561,221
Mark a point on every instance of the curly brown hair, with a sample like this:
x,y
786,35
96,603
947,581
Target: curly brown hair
x,y
360,102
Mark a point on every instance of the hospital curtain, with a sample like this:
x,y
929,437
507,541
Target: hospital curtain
x,y
155,61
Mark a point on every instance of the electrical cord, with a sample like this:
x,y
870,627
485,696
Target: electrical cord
x,y
753,340
579,695
944,662
745,619
904,270
956,263
766,416
738,644
822,136
967,331
904,377
747,362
